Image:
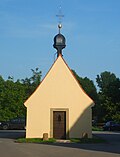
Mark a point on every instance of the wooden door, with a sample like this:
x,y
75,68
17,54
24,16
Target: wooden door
x,y
59,124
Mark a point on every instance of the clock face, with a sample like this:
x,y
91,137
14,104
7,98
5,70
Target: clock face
x,y
59,40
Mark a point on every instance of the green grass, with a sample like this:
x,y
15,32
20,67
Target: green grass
x,y
35,140
89,140
52,140
95,128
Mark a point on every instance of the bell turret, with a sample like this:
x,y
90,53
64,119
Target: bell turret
x,y
59,42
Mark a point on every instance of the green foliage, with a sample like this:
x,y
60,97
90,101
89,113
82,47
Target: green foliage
x,y
32,83
107,100
13,95
109,96
95,128
92,140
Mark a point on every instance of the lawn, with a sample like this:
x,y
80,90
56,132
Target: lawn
x,y
95,139
35,140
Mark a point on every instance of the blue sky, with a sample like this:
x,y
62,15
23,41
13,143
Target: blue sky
x,y
91,28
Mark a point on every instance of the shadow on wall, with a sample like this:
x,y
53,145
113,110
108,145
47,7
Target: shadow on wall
x,y
83,125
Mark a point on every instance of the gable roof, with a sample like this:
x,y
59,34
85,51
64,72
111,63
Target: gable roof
x,y
58,71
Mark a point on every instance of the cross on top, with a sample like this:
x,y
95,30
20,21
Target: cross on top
x,y
60,15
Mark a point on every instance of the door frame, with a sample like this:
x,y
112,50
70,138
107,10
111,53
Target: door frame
x,y
67,120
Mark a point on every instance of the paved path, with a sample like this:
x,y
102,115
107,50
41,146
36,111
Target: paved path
x,y
8,148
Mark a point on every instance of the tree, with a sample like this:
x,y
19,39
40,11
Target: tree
x,y
13,94
12,99
32,83
109,96
104,80
36,77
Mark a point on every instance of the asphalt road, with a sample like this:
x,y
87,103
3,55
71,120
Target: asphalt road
x,y
9,148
